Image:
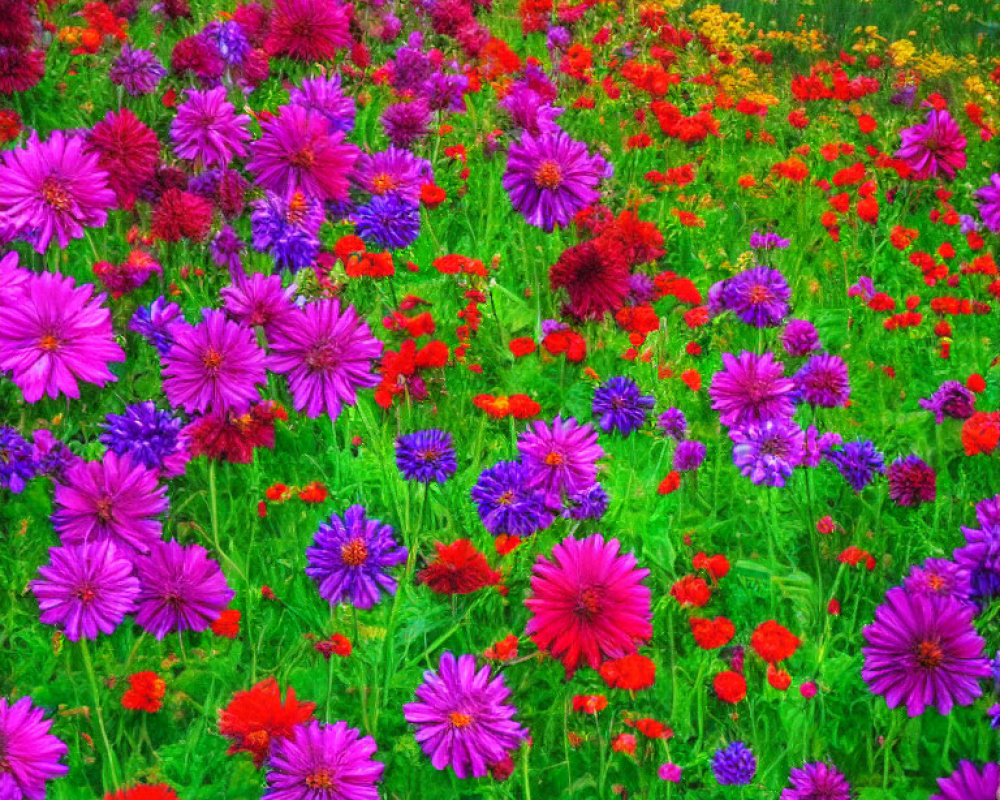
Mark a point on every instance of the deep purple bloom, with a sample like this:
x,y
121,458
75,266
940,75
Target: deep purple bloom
x,y
462,718
181,589
287,228
529,112
323,761
758,296
799,338
817,445
350,559
989,203
230,40
641,289
911,482
858,462
155,322
561,457
923,651
734,765
327,354
591,503
215,365
226,249
981,554
208,129
17,462
323,95
936,146
505,503
52,457
426,456
393,172
768,452
259,300
673,423
54,189
904,96
969,782
138,71
817,781
951,399
55,336
550,177
405,123
30,753
938,576
388,222
148,434
823,381
767,241
115,499
751,388
688,455
621,406
85,589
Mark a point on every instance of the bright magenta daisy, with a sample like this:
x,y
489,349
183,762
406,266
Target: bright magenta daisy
x,y
309,30
588,603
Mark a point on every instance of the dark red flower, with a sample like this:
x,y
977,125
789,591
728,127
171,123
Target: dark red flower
x,y
458,569
594,275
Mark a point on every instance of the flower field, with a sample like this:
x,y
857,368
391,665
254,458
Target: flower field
x,y
513,399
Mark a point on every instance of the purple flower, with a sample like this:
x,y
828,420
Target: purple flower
x,y
621,406
969,782
673,423
350,558
669,772
734,765
529,112
799,338
138,71
768,452
30,753
817,445
181,589
208,129
393,172
461,717
230,40
767,241
689,455
323,761
155,322
54,189
405,123
904,97
287,228
751,388
923,651
324,96
17,462
591,503
989,203
641,289
550,177
115,499
56,335
911,482
388,222
226,249
822,381
817,781
215,365
951,399
146,433
52,457
327,354
85,589
939,577
864,288
980,556
260,300
505,503
858,462
560,457
426,456
758,296
937,146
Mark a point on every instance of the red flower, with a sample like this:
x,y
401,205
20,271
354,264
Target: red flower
x,y
594,275
336,645
632,672
590,703
458,569
731,687
523,346
710,634
981,433
504,650
624,743
145,693
778,678
691,591
256,717
773,642
314,492
670,483
228,437
716,566
228,624
653,729
152,791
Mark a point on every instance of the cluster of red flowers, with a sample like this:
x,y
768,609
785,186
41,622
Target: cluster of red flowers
x,y
459,568
518,406
232,437
255,718
145,692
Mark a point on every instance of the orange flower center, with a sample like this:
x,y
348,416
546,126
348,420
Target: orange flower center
x,y
320,779
554,459
296,208
55,195
86,594
104,509
460,720
548,175
304,158
929,654
759,293
212,360
383,183
506,498
49,343
354,553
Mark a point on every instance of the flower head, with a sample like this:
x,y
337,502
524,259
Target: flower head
x,y
30,753
388,221
970,782
751,388
767,453
506,504
911,482
621,406
935,147
560,458
257,717
817,781
208,129
148,434
426,456
734,765
595,276
138,71
858,462
989,203
309,30
823,381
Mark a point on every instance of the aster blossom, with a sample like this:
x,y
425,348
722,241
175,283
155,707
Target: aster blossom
x,y
17,461
823,381
595,275
734,765
621,406
462,719
426,456
911,481
208,129
148,434
751,389
768,452
31,754
256,718
138,71
393,172
989,203
323,94
309,30
588,603
388,221
969,782
560,457
859,462
287,228
758,297
951,399
505,503
817,781
259,300
936,147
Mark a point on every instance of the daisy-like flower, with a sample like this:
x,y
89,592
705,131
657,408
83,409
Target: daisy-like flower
x,y
388,222
561,457
17,460
817,781
823,381
54,189
208,129
30,753
751,389
215,365
259,300
938,576
327,353
393,172
911,481
857,461
462,718
148,434
325,95
595,275
923,651
620,405
287,228
138,71
350,559
505,503
86,589
550,177
758,297
181,589
426,456
309,30
56,335
588,603
256,718
952,400
970,782
323,761
127,150
989,203
115,499
935,147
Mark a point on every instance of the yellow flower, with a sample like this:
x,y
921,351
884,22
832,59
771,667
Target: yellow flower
x,y
901,52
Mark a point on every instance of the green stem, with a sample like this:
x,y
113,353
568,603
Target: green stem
x,y
108,753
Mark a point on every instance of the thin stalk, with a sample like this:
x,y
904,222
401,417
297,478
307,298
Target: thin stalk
x,y
109,755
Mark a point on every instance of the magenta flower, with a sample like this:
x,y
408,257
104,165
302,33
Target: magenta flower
x,y
560,458
53,189
937,146
30,753
182,589
327,355
208,129
215,365
114,500
751,388
85,589
56,334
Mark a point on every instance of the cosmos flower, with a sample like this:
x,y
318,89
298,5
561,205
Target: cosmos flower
x,y
324,95
256,718
588,603
621,406
734,765
327,354
57,335
768,452
53,189
751,389
388,222
148,434
30,753
505,503
560,457
911,482
214,365
857,461
817,781
208,129
461,717
138,71
989,203
350,559
181,589
85,589
426,456
114,499
323,761
595,275
923,651
970,782
822,381
550,177
934,147
309,30
393,172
